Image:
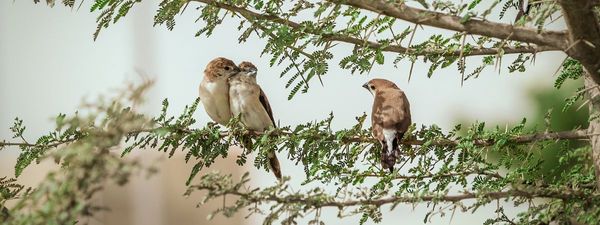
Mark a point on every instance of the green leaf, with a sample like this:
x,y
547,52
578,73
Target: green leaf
x,y
197,167
379,58
473,4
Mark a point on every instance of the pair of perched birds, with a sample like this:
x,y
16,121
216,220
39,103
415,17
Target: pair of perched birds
x,y
228,90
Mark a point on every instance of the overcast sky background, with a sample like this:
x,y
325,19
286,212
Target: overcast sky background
x,y
49,63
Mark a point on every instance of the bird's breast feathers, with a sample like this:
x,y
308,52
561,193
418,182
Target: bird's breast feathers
x,y
245,102
215,98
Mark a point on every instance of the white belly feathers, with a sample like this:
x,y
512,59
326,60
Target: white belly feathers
x,y
389,135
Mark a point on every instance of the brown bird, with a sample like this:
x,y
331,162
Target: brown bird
x,y
524,8
390,118
214,89
249,101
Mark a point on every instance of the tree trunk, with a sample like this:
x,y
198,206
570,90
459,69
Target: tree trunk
x,y
593,95
584,36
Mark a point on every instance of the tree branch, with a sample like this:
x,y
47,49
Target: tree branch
x,y
26,144
322,201
472,52
522,139
502,31
250,15
562,135
442,175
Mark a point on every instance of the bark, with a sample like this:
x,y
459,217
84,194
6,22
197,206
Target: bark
x,y
584,34
584,39
455,23
593,95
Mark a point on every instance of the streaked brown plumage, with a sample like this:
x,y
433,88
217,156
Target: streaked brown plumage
x,y
249,101
214,89
390,118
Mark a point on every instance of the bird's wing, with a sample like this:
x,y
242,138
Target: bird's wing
x,y
407,116
397,110
377,118
262,97
273,161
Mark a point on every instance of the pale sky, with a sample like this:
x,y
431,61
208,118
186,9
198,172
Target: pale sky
x,y
49,63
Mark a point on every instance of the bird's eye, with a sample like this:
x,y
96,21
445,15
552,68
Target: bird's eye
x,y
227,68
372,87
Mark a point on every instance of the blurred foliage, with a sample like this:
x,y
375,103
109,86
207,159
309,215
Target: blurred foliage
x,y
555,109
82,145
549,109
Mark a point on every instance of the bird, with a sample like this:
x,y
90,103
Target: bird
x,y
214,89
390,118
250,103
525,7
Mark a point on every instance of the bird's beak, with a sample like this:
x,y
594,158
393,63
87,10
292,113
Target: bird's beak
x,y
252,73
366,86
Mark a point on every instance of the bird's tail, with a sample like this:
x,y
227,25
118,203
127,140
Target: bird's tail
x,y
273,161
391,161
396,146
387,157
274,164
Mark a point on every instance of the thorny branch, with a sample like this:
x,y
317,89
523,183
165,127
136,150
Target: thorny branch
x,y
401,199
250,15
473,26
563,135
317,198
